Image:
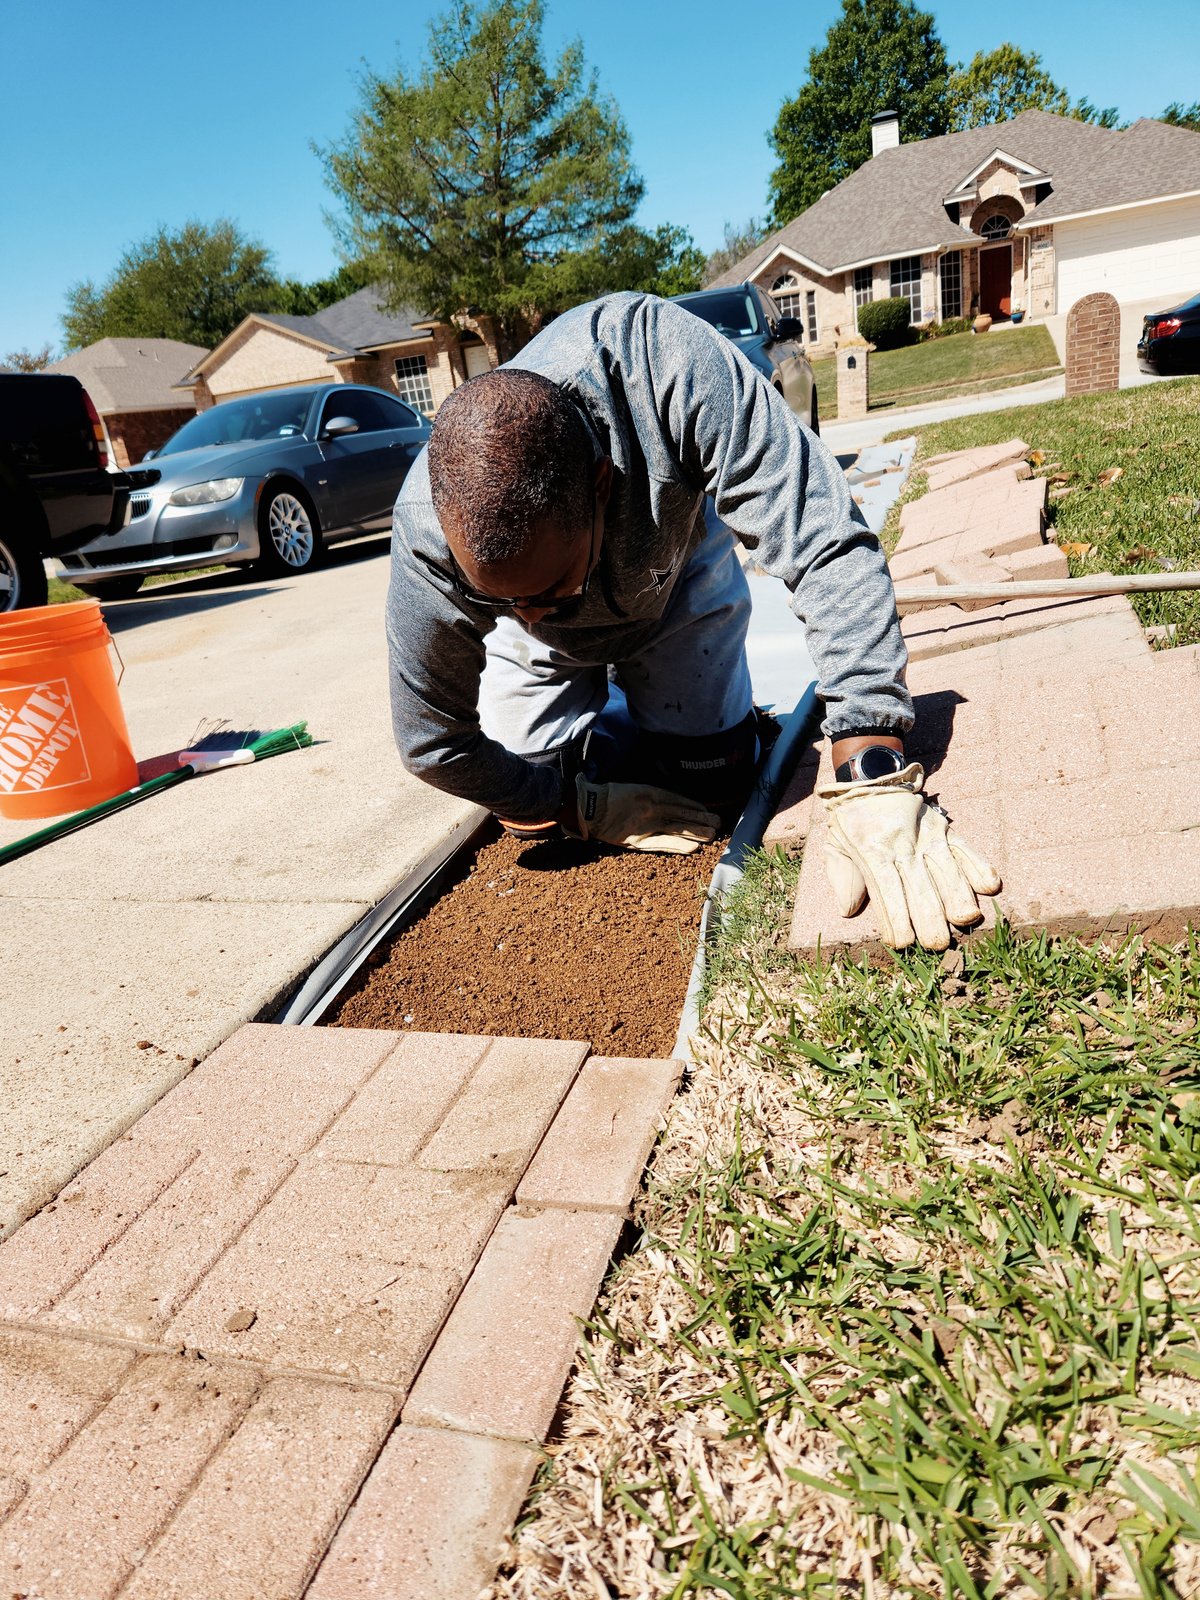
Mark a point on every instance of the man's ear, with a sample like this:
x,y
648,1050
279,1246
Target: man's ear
x,y
603,478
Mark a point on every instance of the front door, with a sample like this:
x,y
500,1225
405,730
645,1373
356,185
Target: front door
x,y
995,280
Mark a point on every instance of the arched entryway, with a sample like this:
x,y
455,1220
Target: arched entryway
x,y
996,262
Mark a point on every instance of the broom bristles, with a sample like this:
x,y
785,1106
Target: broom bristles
x,y
276,743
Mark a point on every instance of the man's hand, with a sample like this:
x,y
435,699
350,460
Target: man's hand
x,y
886,841
641,817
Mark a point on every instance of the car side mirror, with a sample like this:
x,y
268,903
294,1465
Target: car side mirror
x,y
337,426
789,328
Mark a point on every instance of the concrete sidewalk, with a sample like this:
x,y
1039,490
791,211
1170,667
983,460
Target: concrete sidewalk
x,y
132,949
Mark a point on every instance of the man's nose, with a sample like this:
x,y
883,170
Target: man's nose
x,y
529,616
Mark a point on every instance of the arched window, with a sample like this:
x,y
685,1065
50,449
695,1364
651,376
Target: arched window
x,y
996,227
787,281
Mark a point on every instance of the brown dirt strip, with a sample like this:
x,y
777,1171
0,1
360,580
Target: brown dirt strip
x,y
546,941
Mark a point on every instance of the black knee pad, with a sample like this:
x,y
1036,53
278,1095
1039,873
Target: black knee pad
x,y
717,769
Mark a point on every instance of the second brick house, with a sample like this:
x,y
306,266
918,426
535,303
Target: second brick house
x,y
1030,214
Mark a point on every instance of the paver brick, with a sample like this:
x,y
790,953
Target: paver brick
x,y
597,1145
789,826
430,1521
971,463
497,1124
349,1271
395,1112
256,1103
138,1284
77,1533
516,1322
945,629
265,1508
49,1388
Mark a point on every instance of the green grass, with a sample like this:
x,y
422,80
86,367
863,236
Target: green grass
x,y
1145,520
963,363
927,1315
62,593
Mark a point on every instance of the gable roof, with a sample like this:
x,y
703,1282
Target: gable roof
x,y
892,205
345,329
131,374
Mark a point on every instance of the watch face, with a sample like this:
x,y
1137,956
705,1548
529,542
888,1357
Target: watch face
x,y
878,761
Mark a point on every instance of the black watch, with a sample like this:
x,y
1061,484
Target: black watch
x,y
873,761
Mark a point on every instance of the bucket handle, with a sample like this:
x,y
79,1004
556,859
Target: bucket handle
x,y
120,659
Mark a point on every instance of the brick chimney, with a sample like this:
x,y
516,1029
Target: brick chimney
x,y
885,132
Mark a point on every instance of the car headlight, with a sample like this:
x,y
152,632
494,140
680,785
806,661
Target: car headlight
x,y
206,494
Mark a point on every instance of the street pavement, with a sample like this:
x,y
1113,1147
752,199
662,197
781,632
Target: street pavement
x,y
133,948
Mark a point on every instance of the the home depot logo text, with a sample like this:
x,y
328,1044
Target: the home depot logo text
x,y
40,747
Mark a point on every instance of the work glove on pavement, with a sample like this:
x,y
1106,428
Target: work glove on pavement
x,y
641,817
887,841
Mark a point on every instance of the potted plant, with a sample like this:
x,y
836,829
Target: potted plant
x,y
1016,314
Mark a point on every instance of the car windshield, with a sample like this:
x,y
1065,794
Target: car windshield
x,y
266,416
732,312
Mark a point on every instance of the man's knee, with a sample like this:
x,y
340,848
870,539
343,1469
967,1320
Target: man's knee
x,y
715,768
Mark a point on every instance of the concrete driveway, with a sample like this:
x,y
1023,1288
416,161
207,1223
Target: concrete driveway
x,y
134,947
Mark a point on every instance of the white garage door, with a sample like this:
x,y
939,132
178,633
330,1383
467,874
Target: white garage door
x,y
1143,254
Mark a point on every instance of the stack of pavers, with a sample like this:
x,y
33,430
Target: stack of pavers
x,y
1062,746
302,1330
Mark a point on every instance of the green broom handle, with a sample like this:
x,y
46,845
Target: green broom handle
x,y
81,819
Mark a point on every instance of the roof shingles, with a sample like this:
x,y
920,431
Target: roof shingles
x,y
892,205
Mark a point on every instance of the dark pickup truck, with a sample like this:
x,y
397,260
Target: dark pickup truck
x,y
56,492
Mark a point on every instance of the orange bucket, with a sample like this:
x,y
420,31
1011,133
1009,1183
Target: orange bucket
x,y
63,740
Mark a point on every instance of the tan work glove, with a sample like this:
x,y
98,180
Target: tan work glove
x,y
886,841
641,817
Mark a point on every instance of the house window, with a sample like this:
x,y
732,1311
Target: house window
x,y
951,272
412,382
996,227
789,304
906,285
863,289
810,311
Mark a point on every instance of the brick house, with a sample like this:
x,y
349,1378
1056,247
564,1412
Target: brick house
x,y
132,385
352,341
1030,214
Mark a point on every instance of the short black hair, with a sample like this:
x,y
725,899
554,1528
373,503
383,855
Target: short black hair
x,y
510,449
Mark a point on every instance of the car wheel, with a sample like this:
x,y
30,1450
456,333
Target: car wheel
x,y
289,538
122,587
22,575
814,421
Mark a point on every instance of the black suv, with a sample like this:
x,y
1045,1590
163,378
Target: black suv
x,y
56,492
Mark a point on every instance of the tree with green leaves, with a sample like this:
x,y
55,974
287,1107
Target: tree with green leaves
x,y
1000,84
1181,116
195,285
881,55
490,179
307,299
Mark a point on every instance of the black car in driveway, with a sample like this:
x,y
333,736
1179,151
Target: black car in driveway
x,y
1170,342
769,340
56,491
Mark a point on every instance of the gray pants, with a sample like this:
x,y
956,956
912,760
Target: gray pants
x,y
690,681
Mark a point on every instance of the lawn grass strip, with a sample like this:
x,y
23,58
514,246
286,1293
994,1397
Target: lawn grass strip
x,y
1146,519
916,1302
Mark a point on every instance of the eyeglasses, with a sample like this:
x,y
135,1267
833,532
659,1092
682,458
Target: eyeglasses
x,y
554,605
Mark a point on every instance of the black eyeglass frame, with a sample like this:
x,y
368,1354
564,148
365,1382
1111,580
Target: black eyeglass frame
x,y
552,605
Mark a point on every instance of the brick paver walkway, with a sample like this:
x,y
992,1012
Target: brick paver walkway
x,y
1060,744
301,1330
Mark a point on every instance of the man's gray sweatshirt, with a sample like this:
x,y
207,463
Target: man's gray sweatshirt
x,y
682,414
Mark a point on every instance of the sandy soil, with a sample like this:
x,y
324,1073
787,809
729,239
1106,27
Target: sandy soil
x,y
546,941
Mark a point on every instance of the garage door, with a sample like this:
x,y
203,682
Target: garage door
x,y
1152,252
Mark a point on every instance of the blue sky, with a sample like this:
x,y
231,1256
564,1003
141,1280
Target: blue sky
x,y
115,119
